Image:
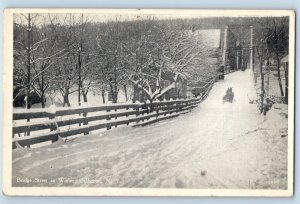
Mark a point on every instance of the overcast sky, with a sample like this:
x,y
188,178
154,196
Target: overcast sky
x,y
21,18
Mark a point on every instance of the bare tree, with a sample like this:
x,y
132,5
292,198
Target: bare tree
x,y
66,69
113,56
27,50
176,52
278,44
47,55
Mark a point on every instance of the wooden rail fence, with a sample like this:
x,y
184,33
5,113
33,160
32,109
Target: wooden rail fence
x,y
141,114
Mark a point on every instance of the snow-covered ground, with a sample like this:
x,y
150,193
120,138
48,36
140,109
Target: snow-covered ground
x,y
94,99
215,146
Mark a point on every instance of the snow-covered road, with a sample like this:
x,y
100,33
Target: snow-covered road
x,y
215,146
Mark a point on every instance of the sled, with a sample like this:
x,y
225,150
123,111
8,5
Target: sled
x,y
229,96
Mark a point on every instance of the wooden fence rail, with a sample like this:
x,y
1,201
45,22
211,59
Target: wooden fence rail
x,y
136,114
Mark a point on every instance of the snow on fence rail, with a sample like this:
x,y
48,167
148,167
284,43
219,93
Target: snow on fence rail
x,y
136,114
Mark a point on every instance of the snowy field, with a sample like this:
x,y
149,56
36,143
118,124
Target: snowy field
x,y
215,146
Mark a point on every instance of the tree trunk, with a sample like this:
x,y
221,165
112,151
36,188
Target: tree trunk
x,y
113,94
115,85
84,93
43,98
84,97
115,88
267,88
42,89
286,96
125,92
279,77
262,94
66,98
115,97
80,62
253,60
79,78
103,96
135,93
278,63
28,104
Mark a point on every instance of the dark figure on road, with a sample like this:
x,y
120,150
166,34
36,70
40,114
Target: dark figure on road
x,y
221,73
229,96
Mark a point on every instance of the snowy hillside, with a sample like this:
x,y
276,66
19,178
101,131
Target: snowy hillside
x,y
215,146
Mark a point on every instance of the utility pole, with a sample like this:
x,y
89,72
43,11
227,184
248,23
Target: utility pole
x,y
262,94
251,48
242,58
225,48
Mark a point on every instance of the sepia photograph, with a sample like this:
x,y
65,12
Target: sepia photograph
x,y
148,102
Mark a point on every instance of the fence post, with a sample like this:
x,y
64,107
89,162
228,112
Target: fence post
x,y
108,126
85,122
144,106
28,132
167,109
148,110
116,117
79,122
180,106
53,126
157,111
137,109
127,116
